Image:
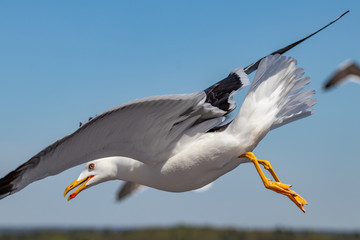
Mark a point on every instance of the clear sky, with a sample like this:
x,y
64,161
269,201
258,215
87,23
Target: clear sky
x,y
62,62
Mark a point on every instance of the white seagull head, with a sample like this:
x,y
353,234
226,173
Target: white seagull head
x,y
95,172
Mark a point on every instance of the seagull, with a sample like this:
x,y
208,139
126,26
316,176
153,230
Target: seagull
x,y
348,70
171,143
180,142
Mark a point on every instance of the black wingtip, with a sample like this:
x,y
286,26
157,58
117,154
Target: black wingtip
x,y
218,94
326,87
344,13
252,67
6,185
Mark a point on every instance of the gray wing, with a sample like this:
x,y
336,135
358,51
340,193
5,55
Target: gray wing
x,y
127,189
145,129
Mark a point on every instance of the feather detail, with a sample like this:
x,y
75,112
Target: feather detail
x,y
274,99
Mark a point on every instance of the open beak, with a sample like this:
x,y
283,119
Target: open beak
x,y
75,184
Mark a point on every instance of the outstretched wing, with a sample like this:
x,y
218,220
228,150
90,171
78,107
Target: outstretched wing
x,y
252,67
145,129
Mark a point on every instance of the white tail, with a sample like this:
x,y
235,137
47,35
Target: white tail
x,y
274,99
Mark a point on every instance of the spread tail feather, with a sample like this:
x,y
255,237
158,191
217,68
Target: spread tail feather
x,y
275,98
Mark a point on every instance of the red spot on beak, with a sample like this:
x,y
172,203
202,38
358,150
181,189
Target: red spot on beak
x,y
73,195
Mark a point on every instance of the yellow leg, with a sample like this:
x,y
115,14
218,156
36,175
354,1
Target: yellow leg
x,y
276,186
268,167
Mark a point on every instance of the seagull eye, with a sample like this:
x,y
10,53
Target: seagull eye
x,y
91,166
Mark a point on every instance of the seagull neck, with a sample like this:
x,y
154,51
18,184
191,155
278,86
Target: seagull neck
x,y
132,170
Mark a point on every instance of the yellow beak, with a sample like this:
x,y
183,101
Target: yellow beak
x,y
75,184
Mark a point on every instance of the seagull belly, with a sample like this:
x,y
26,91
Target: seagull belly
x,y
199,164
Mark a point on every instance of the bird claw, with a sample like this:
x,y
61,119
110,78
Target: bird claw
x,y
282,186
276,186
284,189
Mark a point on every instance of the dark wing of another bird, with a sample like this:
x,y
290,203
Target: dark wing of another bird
x,y
339,76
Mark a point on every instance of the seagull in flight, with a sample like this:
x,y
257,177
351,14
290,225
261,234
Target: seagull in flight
x,y
180,142
348,71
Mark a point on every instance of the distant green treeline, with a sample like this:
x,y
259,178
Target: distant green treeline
x,y
176,233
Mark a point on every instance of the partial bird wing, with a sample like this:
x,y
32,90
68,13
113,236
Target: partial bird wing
x,y
127,189
349,69
252,67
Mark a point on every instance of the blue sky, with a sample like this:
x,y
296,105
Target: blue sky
x,y
62,62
